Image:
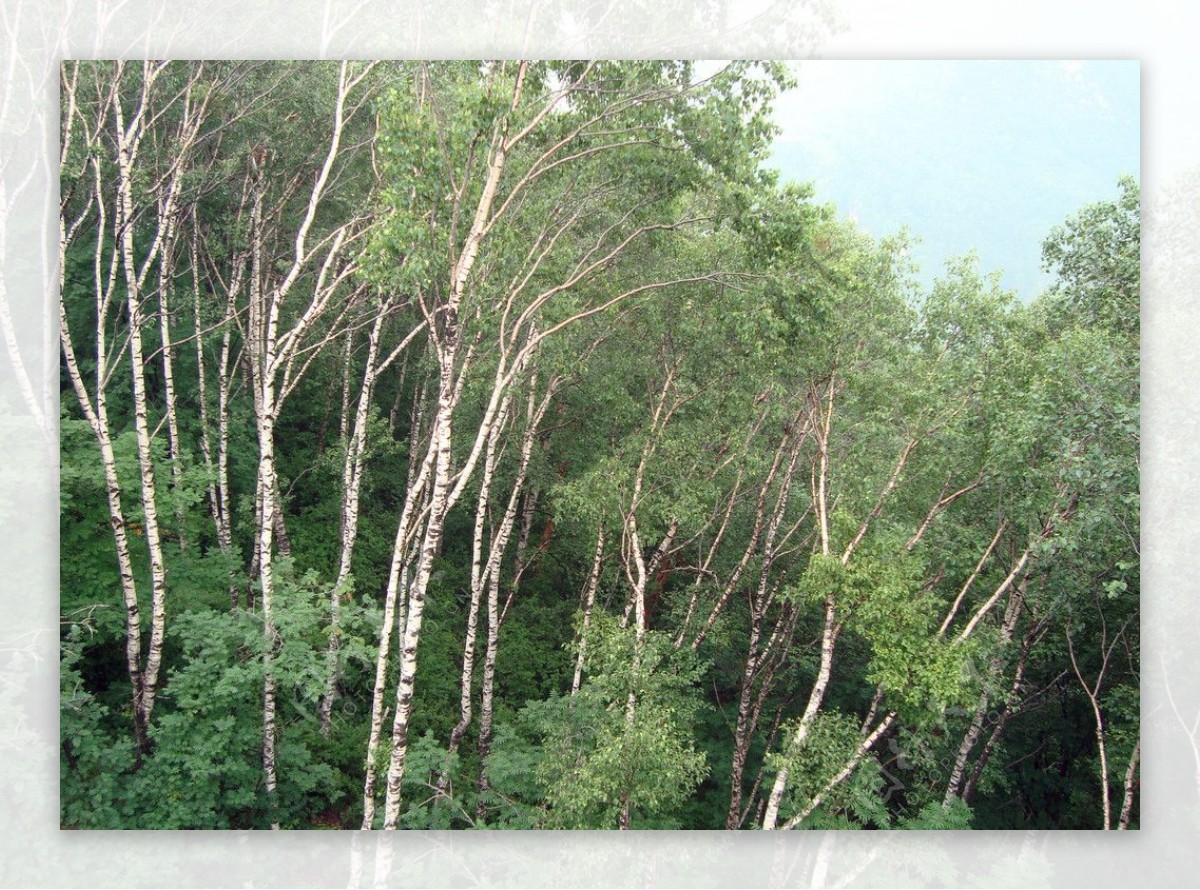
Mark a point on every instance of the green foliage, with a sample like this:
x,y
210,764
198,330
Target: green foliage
x,y
92,759
515,796
1096,258
743,312
596,755
824,577
204,772
921,674
428,808
936,817
832,740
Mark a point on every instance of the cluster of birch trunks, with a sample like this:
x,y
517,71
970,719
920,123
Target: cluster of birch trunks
x,y
557,223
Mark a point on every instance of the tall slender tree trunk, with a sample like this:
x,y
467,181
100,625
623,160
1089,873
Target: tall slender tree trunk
x,y
487,693
225,515
844,773
430,545
589,602
816,697
995,666
756,532
743,729
97,417
395,608
491,575
266,530
174,441
96,414
1092,691
206,452
218,485
264,322
124,224
352,472
1007,710
747,718
639,577
831,628
1130,788
447,340
479,580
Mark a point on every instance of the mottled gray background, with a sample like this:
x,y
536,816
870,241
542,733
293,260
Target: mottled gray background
x,y
37,34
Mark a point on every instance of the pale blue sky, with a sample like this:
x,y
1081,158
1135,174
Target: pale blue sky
x,y
983,155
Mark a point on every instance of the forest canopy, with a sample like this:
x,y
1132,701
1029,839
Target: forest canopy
x,y
504,445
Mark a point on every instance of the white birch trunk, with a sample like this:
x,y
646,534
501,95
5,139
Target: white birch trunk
x,y
430,546
479,579
206,453
815,699
957,773
97,417
843,774
351,484
397,586
491,573
1130,788
266,529
589,602
447,341
486,693
174,442
830,629
752,543
127,140
747,717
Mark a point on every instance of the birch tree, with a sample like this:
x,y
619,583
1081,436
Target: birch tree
x,y
553,120
508,424
276,344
